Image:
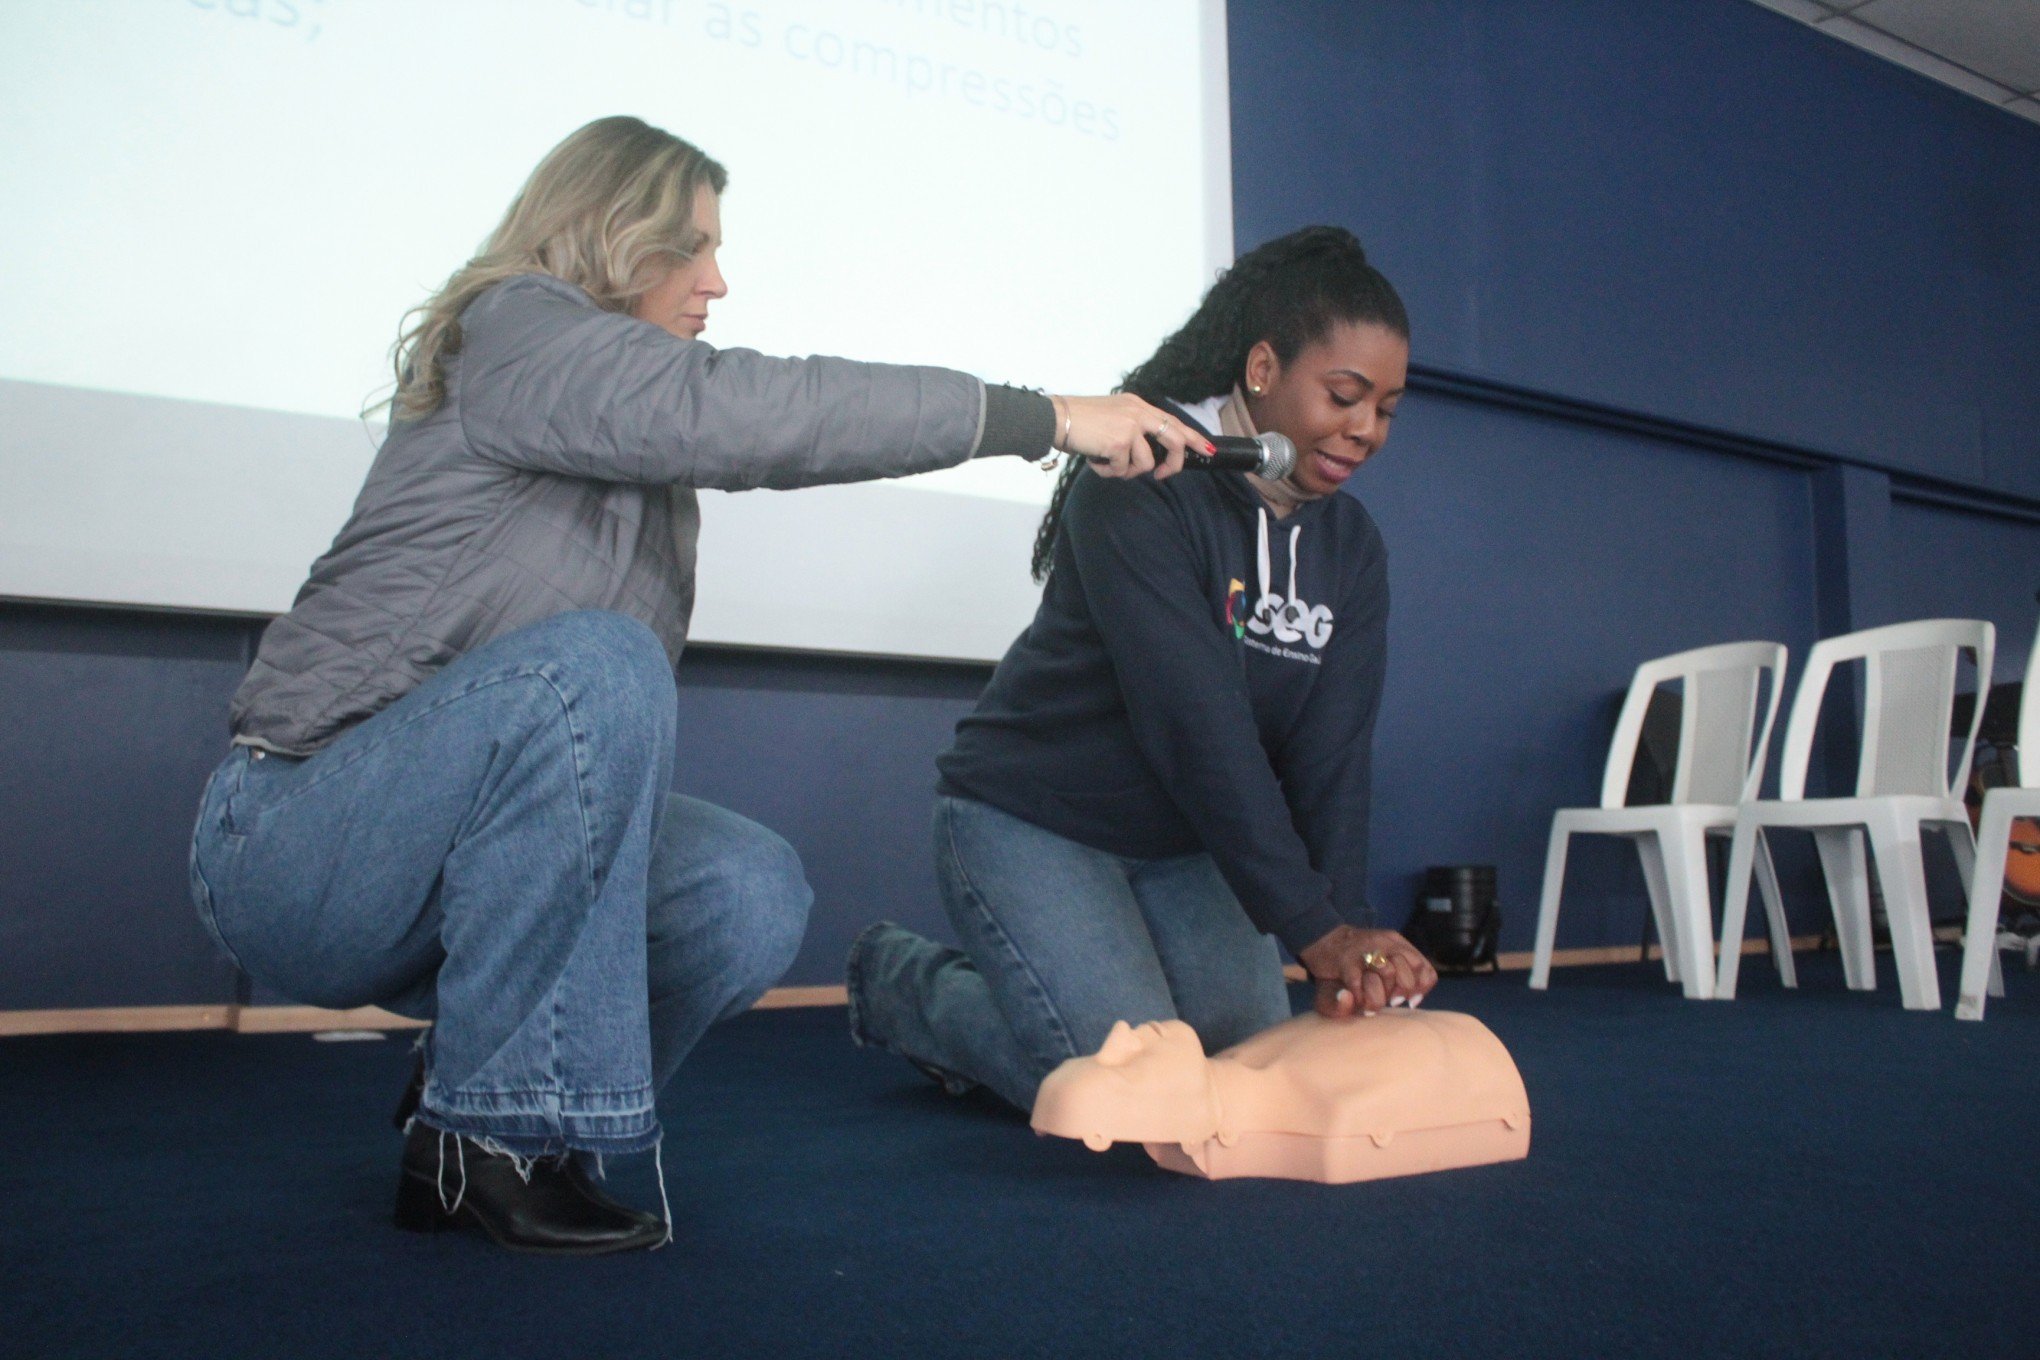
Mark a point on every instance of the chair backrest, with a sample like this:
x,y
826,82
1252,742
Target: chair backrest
x,y
1908,696
1718,763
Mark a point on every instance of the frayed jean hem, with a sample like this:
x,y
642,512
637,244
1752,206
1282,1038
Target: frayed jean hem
x,y
518,1126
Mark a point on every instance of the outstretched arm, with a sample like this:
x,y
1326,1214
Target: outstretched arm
x,y
549,382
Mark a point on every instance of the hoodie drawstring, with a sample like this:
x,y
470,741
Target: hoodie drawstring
x,y
1261,599
1264,613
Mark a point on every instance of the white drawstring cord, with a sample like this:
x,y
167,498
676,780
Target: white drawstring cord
x,y
1265,617
1263,545
665,1206
439,1181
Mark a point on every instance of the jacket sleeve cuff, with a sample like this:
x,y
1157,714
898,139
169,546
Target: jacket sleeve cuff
x,y
1017,422
1305,929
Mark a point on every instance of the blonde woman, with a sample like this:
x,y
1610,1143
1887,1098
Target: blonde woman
x,y
448,793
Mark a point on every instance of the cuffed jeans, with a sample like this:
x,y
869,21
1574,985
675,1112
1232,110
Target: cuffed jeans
x,y
498,851
1060,941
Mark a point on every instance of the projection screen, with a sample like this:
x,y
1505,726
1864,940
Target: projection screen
x,y
218,210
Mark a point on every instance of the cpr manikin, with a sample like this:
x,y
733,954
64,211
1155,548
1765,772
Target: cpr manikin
x,y
1311,1099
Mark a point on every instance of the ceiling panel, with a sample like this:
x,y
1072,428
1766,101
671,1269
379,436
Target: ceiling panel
x,y
1986,48
1897,49
1995,38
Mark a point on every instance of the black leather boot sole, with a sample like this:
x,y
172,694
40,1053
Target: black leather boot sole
x,y
552,1209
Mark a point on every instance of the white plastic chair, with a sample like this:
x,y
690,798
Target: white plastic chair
x,y
1903,784
1718,768
1993,842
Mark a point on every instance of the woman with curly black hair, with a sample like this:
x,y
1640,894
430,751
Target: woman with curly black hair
x,y
1172,765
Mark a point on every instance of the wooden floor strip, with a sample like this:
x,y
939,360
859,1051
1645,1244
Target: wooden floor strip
x,y
300,1019
116,1020
782,998
241,1019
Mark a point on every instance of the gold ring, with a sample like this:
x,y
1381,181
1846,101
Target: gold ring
x,y
1374,959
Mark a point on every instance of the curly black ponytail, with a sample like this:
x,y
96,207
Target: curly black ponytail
x,y
1289,292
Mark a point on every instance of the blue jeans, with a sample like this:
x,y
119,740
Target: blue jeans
x,y
498,851
1059,942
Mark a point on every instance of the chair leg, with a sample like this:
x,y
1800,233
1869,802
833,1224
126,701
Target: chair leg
x,y
1962,845
1689,903
1735,905
1547,905
1652,855
1848,882
1774,913
1986,885
1902,873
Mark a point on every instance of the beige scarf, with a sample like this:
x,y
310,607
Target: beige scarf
x,y
1281,497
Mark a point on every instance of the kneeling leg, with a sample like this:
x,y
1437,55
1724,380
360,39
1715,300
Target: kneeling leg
x,y
725,912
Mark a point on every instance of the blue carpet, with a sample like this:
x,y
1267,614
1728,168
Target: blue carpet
x,y
1818,1173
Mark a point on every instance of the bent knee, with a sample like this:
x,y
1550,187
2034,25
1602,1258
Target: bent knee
x,y
610,657
777,899
755,897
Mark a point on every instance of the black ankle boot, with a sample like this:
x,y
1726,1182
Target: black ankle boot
x,y
555,1210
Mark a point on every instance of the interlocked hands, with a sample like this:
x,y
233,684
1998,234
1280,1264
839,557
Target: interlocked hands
x,y
1366,970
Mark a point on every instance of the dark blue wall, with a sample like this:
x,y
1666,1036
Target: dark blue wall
x,y
1724,330
1535,562
1695,209
109,724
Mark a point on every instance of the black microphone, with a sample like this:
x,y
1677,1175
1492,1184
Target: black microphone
x,y
1271,455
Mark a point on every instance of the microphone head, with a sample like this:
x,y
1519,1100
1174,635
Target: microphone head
x,y
1278,455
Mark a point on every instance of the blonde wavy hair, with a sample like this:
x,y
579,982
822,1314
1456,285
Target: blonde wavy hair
x,y
609,210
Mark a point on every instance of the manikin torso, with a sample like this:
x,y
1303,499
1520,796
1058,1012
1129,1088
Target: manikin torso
x,y
1312,1099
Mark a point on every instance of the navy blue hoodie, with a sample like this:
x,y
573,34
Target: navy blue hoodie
x,y
1200,676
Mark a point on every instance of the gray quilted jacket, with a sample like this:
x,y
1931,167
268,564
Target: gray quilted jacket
x,y
559,474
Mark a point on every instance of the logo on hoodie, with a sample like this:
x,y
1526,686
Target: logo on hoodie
x,y
1236,607
1292,620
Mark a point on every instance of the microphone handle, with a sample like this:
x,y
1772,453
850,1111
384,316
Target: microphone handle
x,y
1236,453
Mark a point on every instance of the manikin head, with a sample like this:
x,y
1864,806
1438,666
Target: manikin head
x,y
1148,1083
